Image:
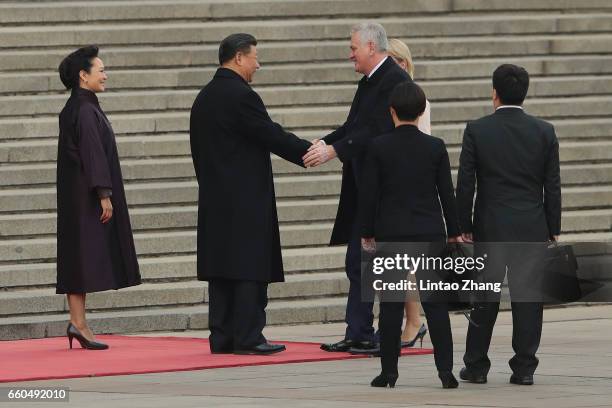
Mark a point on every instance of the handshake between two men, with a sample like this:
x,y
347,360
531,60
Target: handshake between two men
x,y
319,153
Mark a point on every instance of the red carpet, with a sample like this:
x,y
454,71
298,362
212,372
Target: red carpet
x,y
43,359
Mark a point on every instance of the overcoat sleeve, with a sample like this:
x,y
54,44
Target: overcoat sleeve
x,y
93,158
369,193
194,140
552,186
340,132
336,135
444,184
466,181
269,134
353,143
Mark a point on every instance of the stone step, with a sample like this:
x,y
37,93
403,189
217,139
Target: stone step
x,y
150,243
175,267
35,301
318,310
185,192
528,5
36,12
309,117
183,267
302,95
163,243
132,146
137,170
586,220
304,51
14,226
168,217
177,144
306,73
99,11
30,224
113,34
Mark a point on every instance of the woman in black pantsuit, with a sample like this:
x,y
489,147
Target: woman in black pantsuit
x,y
406,178
95,246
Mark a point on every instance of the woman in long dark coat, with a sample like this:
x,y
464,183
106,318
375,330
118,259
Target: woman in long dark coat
x,y
95,246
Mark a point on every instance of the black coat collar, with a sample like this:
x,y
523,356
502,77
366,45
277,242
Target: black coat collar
x,y
406,130
380,72
85,94
509,111
228,73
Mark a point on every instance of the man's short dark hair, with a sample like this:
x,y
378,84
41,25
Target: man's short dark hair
x,y
511,83
233,44
73,64
408,100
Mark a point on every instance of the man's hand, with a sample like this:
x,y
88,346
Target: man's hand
x,y
107,210
368,244
318,154
467,237
452,240
315,143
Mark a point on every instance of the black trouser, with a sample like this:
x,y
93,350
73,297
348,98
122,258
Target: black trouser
x,y
438,322
521,262
436,312
359,316
236,314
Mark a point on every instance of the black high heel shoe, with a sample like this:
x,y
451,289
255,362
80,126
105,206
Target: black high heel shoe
x,y
73,333
448,379
419,336
382,380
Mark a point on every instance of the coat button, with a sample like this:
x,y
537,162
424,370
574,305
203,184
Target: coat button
x,y
350,142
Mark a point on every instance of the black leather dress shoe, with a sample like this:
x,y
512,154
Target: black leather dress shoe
x,y
262,349
366,347
222,351
469,376
521,379
341,346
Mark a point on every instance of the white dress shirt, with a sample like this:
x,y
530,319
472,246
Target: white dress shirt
x,y
376,67
509,106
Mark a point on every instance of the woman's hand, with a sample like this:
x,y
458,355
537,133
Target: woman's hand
x,y
107,210
452,240
368,244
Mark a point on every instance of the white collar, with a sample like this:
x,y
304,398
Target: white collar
x,y
509,106
376,67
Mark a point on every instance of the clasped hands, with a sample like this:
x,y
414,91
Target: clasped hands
x,y
318,154
368,244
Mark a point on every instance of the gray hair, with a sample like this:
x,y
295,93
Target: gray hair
x,y
374,32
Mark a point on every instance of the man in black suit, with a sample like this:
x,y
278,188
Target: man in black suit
x,y
513,158
368,118
239,250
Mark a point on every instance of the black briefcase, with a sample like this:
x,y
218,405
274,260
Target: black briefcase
x,y
460,300
560,282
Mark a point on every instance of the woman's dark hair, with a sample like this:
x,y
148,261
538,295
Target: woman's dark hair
x,y
408,100
233,44
511,83
71,66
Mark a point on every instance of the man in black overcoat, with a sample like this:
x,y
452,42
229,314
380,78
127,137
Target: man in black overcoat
x,y
513,159
239,249
368,118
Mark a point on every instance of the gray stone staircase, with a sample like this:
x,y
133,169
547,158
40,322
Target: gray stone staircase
x,y
159,53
